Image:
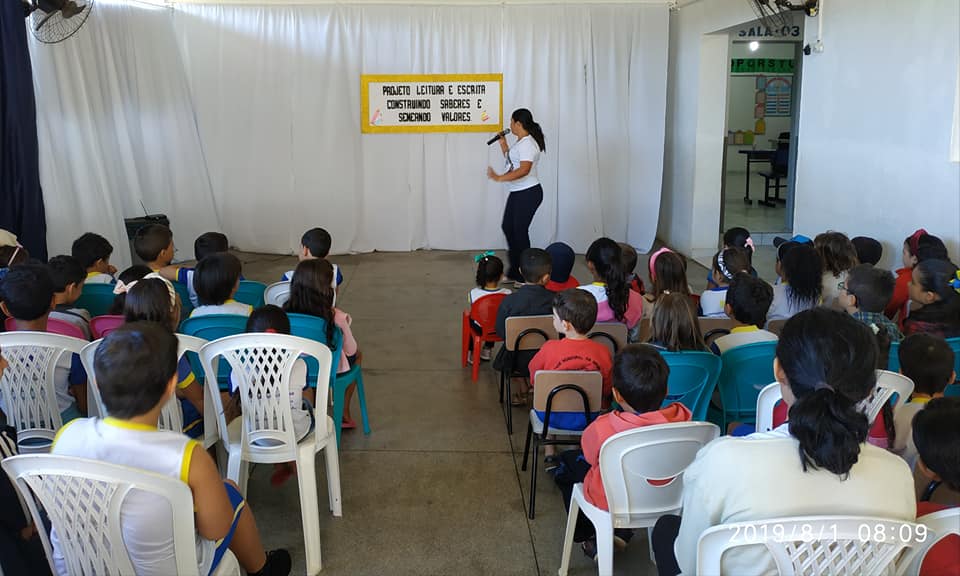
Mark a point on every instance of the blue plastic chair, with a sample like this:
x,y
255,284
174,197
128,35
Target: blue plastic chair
x,y
952,391
746,370
893,363
315,328
693,378
210,328
97,299
250,292
186,305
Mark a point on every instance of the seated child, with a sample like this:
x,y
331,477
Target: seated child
x,y
489,275
531,299
629,258
136,367
748,300
574,314
205,244
928,361
784,245
801,283
937,437
936,287
739,238
125,278
315,243
68,277
27,296
616,302
726,264
216,280
865,294
562,259
668,275
674,326
838,256
93,252
639,386
869,250
154,245
918,247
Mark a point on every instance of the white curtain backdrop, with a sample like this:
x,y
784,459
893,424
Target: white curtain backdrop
x,y
246,119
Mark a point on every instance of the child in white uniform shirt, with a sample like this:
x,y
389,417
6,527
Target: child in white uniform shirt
x,y
93,251
726,264
216,280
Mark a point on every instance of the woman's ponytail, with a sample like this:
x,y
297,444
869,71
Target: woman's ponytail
x,y
830,429
525,118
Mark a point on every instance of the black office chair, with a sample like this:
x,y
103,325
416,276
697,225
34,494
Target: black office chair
x,y
776,177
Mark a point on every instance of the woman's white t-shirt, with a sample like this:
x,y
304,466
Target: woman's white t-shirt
x,y
524,150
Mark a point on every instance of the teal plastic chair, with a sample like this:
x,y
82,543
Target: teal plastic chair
x,y
250,292
746,370
186,305
97,299
693,378
315,328
893,363
952,391
210,328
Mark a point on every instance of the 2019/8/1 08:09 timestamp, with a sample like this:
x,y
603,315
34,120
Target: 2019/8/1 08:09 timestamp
x,y
748,533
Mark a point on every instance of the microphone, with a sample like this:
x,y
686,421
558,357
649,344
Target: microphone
x,y
499,135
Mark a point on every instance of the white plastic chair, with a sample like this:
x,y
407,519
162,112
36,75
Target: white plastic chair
x,y
28,386
849,544
83,500
888,383
262,365
941,524
629,461
277,293
766,401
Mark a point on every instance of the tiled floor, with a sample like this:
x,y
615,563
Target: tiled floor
x,y
756,218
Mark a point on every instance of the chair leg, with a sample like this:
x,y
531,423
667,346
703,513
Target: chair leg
x,y
508,404
533,477
338,392
475,369
526,446
362,399
653,559
236,471
605,549
331,456
309,509
464,339
501,387
568,536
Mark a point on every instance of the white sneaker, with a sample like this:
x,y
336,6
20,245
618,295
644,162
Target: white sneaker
x,y
486,354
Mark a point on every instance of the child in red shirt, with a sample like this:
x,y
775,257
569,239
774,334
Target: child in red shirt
x,y
639,387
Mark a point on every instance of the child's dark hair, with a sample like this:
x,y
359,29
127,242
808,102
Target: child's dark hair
x,y
629,259
562,259
64,271
930,247
873,287
269,318
89,248
869,250
640,376
607,259
578,307
135,272
730,261
215,277
525,118
940,277
670,271
149,301
317,241
489,270
803,271
837,252
27,291
209,243
674,324
17,254
151,240
937,438
829,359
928,361
737,237
749,299
535,263
134,365
311,292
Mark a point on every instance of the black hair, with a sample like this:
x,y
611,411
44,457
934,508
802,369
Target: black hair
x,y
209,243
785,247
535,263
489,269
149,301
873,287
930,247
135,272
317,241
151,240
18,253
628,256
803,271
269,317
736,237
939,276
562,259
607,259
937,438
928,361
311,292
64,271
215,277
89,248
869,250
525,118
730,261
640,376
578,307
837,252
829,359
674,324
670,274
749,299
134,365
27,291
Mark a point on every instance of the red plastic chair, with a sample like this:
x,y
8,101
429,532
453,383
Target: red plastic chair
x,y
484,312
100,326
53,326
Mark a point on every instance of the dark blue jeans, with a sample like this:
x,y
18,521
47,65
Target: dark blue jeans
x,y
517,216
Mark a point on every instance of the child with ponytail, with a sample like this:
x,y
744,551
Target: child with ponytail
x,y
489,276
616,302
727,263
935,285
736,237
917,247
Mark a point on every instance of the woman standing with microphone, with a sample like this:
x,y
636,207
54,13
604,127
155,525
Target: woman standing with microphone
x,y
521,178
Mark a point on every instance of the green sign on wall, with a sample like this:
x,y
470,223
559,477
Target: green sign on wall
x,y
761,66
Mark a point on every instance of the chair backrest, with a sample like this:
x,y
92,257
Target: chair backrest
x,y
277,293
642,469
483,311
766,400
528,332
186,305
100,326
213,326
568,399
954,344
315,328
82,499
776,326
646,330
818,544
97,299
612,334
262,365
54,326
693,378
952,391
28,385
888,384
250,292
941,524
746,370
893,363
708,324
